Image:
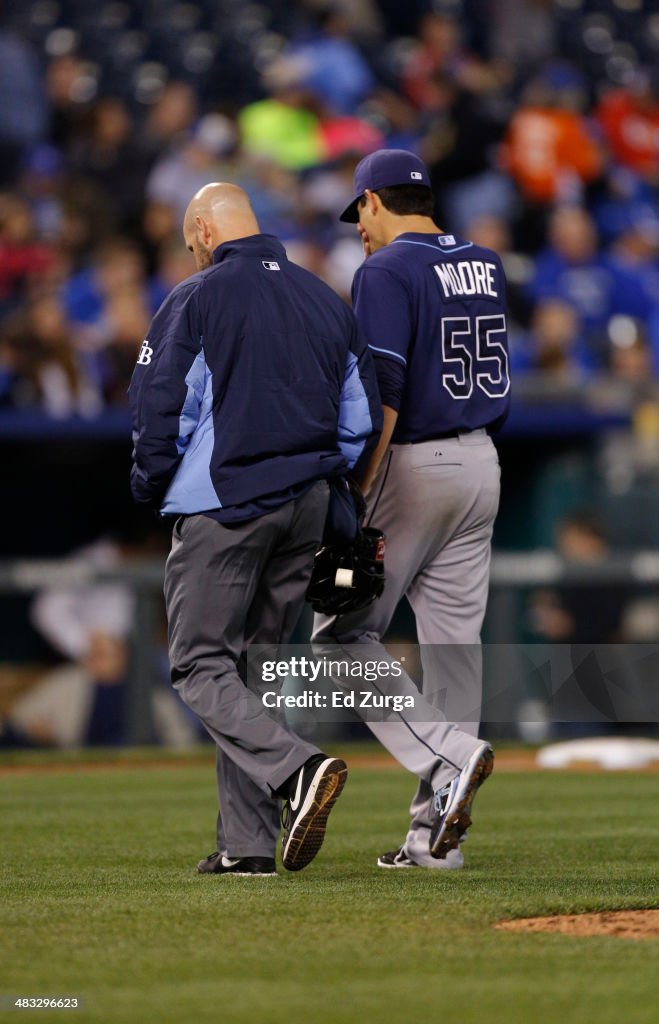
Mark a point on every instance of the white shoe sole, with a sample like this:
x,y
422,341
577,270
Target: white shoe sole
x,y
395,867
449,863
307,831
248,874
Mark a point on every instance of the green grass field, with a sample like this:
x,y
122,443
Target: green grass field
x,y
99,899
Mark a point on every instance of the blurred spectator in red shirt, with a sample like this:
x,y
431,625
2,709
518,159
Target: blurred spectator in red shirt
x,y
549,149
23,258
440,50
630,120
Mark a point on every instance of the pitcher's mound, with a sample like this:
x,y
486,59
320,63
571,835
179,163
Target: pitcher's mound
x,y
622,924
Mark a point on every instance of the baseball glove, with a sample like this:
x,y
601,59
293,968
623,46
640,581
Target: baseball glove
x,y
348,575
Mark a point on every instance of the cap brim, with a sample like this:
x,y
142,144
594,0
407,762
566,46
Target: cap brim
x,y
351,213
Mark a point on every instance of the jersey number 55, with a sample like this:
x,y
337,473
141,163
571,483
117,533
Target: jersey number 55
x,y
474,357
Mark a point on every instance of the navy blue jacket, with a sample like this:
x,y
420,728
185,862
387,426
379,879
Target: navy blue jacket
x,y
253,381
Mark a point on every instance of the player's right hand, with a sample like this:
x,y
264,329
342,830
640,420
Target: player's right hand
x,y
366,242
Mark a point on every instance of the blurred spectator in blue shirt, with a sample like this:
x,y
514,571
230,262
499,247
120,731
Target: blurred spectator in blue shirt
x,y
40,367
626,202
40,185
23,107
329,63
115,263
554,346
573,270
203,155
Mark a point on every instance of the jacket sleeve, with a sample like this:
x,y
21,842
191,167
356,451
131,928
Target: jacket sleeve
x,y
360,410
164,393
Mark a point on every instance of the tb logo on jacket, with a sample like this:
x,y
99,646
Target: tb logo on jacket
x,y
144,358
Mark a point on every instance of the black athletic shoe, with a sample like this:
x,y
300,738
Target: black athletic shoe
x,y
254,867
400,859
313,791
396,859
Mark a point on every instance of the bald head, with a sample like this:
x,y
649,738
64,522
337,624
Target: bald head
x,y
217,213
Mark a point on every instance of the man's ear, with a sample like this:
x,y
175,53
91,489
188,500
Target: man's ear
x,y
203,230
373,201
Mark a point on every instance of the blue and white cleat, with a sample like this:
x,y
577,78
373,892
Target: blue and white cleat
x,y
453,802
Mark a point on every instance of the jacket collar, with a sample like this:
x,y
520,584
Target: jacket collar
x,y
261,246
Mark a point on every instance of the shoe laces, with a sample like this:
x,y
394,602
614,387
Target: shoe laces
x,y
440,798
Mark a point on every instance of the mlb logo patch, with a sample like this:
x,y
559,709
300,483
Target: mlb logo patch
x,y
270,265
417,175
446,239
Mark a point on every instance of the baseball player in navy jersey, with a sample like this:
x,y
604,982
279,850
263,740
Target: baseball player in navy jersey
x,y
433,309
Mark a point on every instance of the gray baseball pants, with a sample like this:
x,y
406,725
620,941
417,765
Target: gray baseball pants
x,y
436,502
227,587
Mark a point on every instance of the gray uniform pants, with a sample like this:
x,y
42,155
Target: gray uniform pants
x,y
227,587
436,502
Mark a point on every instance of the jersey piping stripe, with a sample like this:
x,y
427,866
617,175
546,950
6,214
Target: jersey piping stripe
x,y
419,739
437,248
388,352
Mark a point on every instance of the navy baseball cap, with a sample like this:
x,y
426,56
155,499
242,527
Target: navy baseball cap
x,y
382,169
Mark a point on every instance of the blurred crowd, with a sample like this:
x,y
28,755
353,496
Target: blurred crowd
x,y
539,120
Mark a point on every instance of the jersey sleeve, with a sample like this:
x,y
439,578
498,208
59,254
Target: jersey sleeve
x,y
164,393
383,309
391,381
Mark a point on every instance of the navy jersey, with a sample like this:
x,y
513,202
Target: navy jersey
x,y
435,305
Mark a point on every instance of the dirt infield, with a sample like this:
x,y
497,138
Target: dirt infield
x,y
506,761
620,924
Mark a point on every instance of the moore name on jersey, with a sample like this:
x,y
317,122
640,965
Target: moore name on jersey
x,y
468,277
